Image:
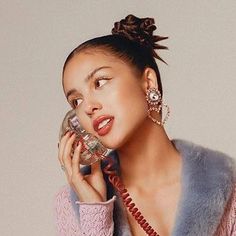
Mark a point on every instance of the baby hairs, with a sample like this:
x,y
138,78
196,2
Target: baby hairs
x,y
132,41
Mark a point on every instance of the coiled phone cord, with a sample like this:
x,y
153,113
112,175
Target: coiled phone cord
x,y
119,186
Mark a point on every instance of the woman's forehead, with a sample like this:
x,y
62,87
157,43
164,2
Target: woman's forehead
x,y
82,65
86,62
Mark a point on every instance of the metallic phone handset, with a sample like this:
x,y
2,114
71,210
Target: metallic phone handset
x,y
92,151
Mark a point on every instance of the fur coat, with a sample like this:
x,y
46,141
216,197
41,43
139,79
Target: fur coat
x,y
208,182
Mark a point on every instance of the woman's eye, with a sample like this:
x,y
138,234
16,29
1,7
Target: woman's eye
x,y
100,82
76,102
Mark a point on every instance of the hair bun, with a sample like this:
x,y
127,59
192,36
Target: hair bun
x,y
141,31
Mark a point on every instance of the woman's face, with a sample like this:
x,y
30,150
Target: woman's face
x,y
103,88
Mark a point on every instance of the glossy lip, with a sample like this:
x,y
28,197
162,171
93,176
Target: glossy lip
x,y
105,129
98,120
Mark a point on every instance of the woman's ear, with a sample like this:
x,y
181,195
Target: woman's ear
x,y
149,79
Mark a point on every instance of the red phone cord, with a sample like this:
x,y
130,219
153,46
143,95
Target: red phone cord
x,y
117,183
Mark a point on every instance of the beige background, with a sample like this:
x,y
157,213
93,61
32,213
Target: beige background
x,y
36,36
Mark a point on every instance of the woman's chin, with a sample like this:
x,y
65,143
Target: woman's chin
x,y
112,143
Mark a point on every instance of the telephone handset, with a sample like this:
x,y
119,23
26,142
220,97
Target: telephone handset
x,y
92,151
92,148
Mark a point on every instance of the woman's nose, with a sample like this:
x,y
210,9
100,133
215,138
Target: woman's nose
x,y
91,107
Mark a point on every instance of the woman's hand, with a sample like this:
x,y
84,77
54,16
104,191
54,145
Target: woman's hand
x,y
89,188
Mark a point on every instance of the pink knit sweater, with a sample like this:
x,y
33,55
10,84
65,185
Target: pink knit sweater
x,y
96,218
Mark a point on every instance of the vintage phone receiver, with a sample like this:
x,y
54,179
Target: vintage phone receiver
x,y
92,148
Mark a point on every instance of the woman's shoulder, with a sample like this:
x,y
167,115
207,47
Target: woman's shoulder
x,y
195,152
212,164
209,178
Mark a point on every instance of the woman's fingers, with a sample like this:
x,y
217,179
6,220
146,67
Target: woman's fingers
x,y
79,183
62,147
75,166
66,157
89,188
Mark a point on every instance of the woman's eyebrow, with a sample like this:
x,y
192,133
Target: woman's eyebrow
x,y
90,75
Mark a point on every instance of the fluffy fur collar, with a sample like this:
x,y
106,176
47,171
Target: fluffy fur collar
x,y
208,178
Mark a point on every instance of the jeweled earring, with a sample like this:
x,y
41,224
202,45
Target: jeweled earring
x,y
154,99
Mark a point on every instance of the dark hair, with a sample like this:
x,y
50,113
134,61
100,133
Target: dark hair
x,y
132,41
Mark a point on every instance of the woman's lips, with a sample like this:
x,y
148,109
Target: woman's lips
x,y
99,120
106,128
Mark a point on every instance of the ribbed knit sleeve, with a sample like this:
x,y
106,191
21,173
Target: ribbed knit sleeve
x,y
227,225
95,219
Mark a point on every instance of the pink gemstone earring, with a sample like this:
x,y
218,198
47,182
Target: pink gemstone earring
x,y
154,99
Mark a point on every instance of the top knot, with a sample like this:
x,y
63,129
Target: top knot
x,y
141,31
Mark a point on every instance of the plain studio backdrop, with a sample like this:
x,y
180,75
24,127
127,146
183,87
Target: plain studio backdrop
x,y
36,36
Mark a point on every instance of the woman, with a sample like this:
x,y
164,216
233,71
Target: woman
x,y
181,188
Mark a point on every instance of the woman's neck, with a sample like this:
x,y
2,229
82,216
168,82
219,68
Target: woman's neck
x,y
149,159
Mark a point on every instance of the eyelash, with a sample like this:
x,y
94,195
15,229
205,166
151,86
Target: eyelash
x,y
96,80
